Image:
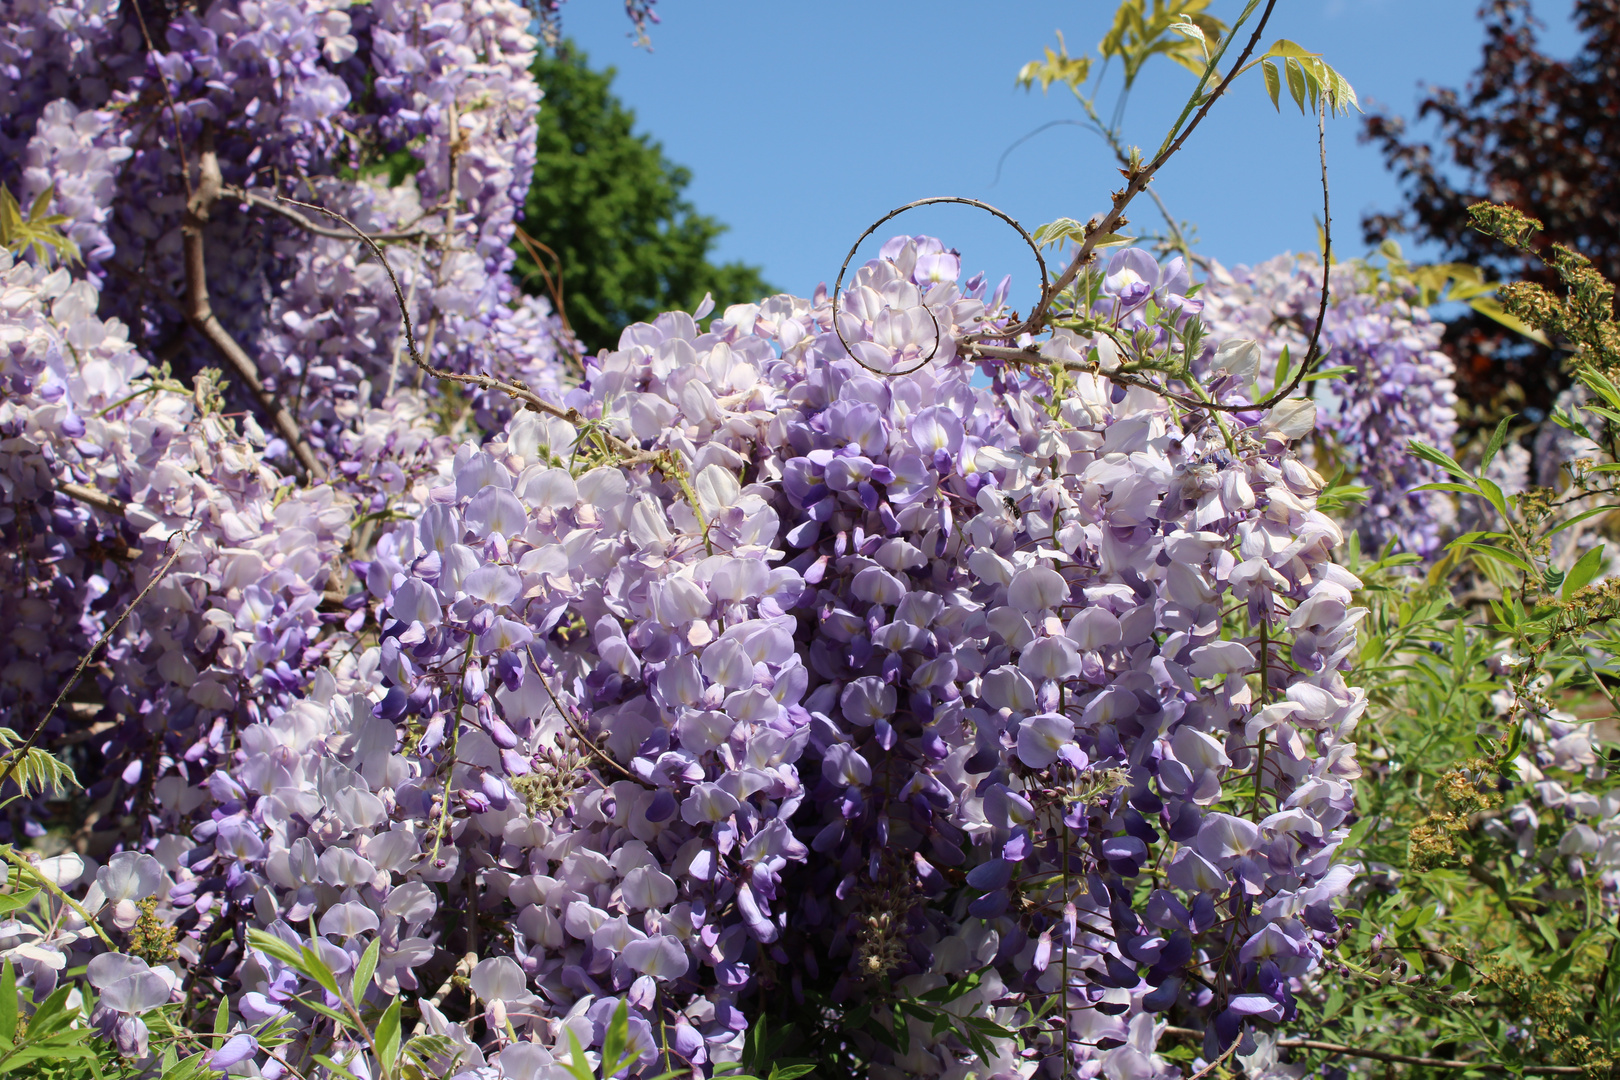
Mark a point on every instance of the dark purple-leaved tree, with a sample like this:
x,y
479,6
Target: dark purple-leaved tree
x,y
1539,133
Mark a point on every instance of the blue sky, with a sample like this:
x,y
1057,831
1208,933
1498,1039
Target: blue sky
x,y
804,122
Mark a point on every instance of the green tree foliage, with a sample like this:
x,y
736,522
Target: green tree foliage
x,y
608,205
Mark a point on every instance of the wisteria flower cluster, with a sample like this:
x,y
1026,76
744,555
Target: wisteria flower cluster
x,y
652,735
1398,387
292,100
1567,814
743,676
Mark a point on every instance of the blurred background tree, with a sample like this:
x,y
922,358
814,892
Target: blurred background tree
x,y
1540,134
613,239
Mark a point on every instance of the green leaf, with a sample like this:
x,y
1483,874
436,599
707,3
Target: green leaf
x,y
616,1041
1566,419
52,1016
1585,570
38,230
1578,518
18,900
1310,78
273,946
791,1072
1461,489
577,1065
333,1066
1358,833
1054,232
364,970
1057,67
1493,494
1329,373
1612,415
1497,438
313,966
1295,76
8,1002
989,1027
42,202
343,1020
1284,364
388,1035
1439,457
1500,555
1190,29
1596,380
30,1054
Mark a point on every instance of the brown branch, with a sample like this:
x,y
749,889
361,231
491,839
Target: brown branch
x,y
168,98
1218,1062
201,314
1135,182
253,198
17,755
553,285
92,497
1433,1063
1398,1059
462,970
1031,353
585,739
629,455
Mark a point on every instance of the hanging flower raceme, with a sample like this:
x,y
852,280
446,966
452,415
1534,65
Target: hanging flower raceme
x,y
318,91
869,677
796,662
1398,387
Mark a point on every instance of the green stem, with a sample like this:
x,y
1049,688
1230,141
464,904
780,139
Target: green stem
x,y
9,853
1265,691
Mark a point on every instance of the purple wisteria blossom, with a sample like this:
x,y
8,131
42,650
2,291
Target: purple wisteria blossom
x,y
1399,387
859,678
840,685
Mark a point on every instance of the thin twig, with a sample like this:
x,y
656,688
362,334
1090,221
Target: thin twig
x,y
1031,353
168,98
253,198
1140,179
93,497
630,455
553,285
578,734
896,212
84,661
9,853
1433,1063
1218,1062
1398,1059
200,313
410,301
452,199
